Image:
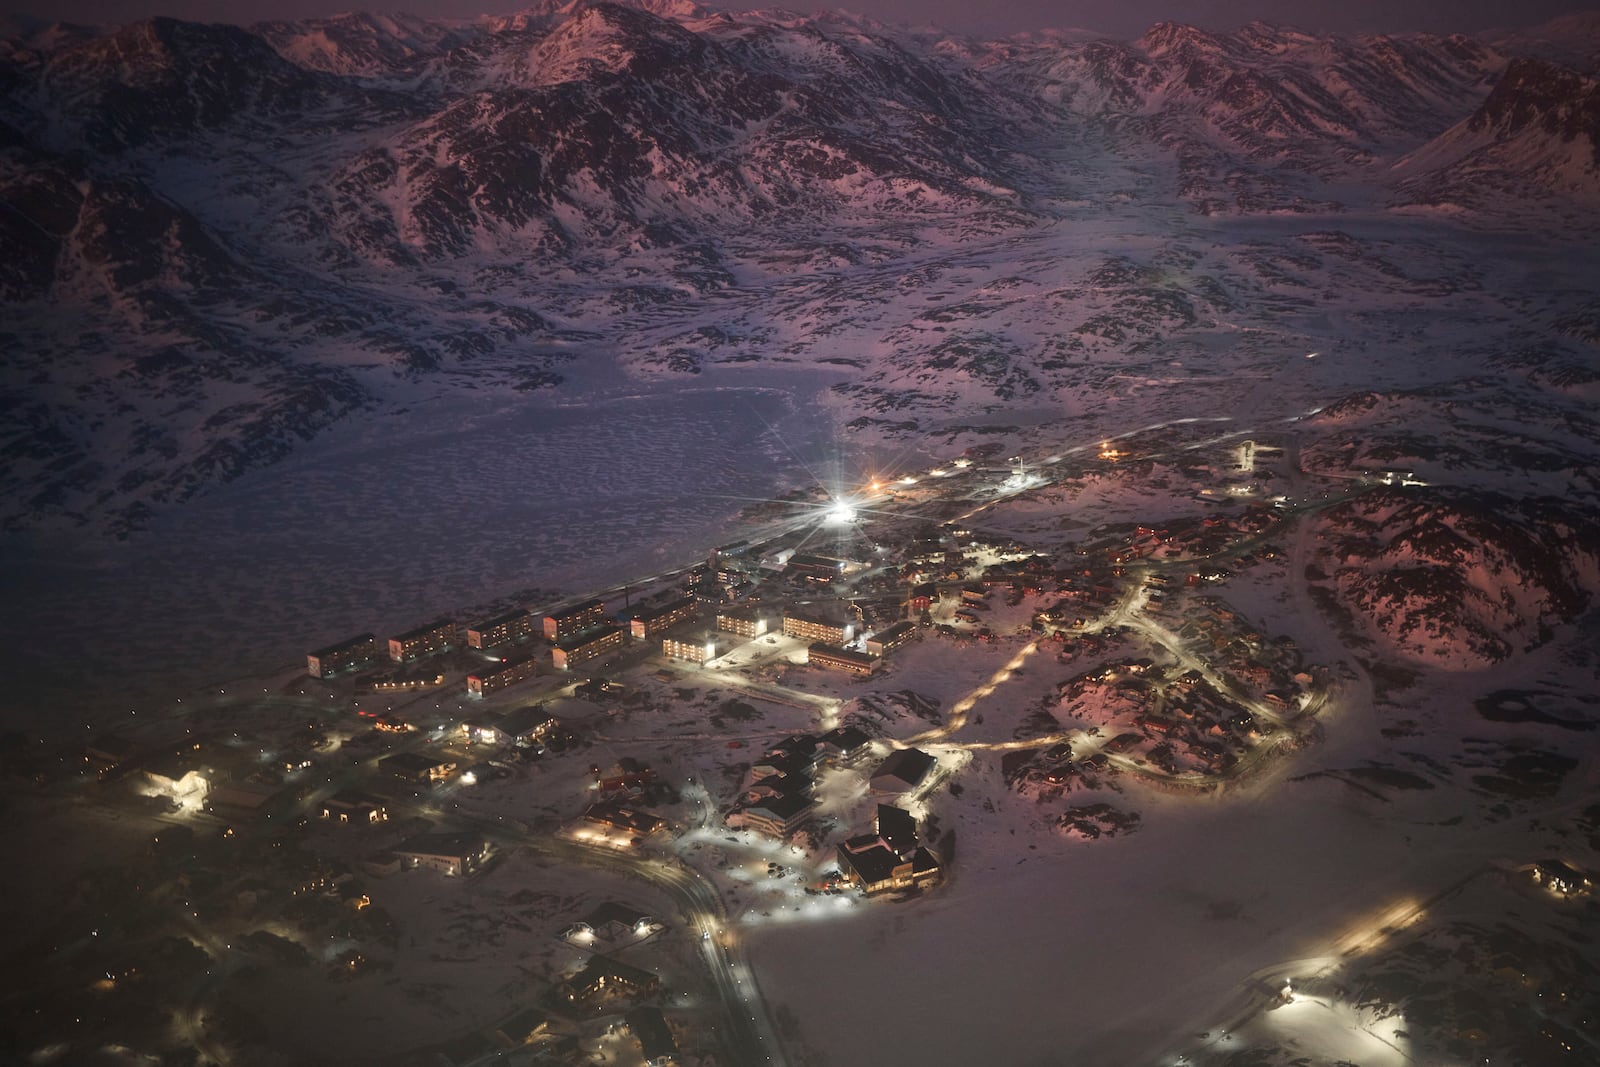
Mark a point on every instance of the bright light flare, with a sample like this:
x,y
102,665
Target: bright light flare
x,y
841,513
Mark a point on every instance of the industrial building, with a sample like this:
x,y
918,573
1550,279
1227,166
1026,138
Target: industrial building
x,y
648,623
500,630
346,655
436,636
492,679
841,659
812,629
573,651
574,620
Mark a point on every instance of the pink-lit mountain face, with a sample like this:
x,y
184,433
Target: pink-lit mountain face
x,y
223,242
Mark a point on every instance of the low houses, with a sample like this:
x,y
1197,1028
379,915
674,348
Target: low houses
x,y
603,980
617,816
1560,878
648,623
416,767
347,655
500,630
569,622
904,769
612,922
492,679
450,854
834,658
425,640
350,808
570,652
891,857
527,1027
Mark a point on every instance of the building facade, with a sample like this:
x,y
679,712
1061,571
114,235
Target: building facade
x,y
841,659
742,623
892,638
699,649
424,640
574,620
481,683
502,629
810,629
346,655
648,624
570,653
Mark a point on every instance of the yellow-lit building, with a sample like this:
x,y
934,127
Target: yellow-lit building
x,y
346,655
810,629
697,649
424,640
512,626
568,654
841,659
742,623
574,620
490,680
647,624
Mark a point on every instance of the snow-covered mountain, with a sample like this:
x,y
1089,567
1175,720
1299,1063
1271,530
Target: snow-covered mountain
x,y
223,242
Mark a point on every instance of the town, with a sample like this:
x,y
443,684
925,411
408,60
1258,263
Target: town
x,y
603,795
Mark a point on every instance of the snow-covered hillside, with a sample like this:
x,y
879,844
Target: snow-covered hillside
x,y
223,242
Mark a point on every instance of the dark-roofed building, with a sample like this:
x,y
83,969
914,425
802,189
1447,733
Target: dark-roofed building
x,y
812,629
425,640
604,979
493,679
348,807
650,1029
416,767
699,648
904,769
888,640
651,622
526,1027
841,659
844,740
448,853
890,858
742,623
897,827
777,816
613,922
512,626
572,651
525,726
621,817
574,620
358,651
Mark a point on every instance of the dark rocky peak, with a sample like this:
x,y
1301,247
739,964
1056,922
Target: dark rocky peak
x,y
361,43
1176,40
1534,94
161,77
